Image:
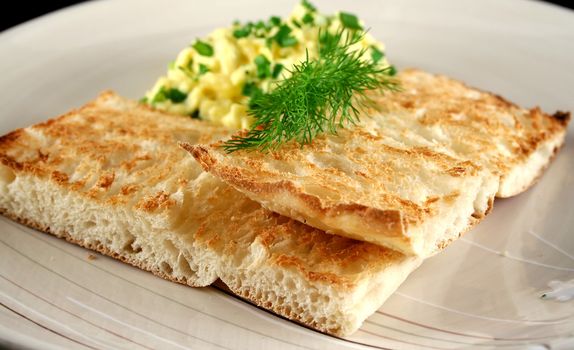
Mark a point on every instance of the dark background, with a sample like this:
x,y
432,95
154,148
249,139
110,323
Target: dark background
x,y
21,11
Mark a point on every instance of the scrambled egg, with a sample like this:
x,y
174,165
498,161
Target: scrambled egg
x,y
214,78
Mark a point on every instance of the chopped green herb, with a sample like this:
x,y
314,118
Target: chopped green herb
x,y
321,95
309,6
143,100
376,54
275,21
296,23
172,94
159,96
242,32
277,70
263,67
289,41
260,25
203,69
308,18
203,48
175,95
250,89
283,37
350,21
391,70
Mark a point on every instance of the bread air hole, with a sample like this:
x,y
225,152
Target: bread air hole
x,y
170,247
130,245
166,268
183,265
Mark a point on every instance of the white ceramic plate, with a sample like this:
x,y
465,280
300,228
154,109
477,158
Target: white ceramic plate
x,y
483,291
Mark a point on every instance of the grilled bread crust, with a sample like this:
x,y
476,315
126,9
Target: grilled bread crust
x,y
111,177
414,176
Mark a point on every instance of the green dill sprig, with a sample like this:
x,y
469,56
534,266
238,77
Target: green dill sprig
x,y
321,95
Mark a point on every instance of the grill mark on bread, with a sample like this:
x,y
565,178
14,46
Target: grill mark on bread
x,y
294,262
152,203
59,177
127,190
106,180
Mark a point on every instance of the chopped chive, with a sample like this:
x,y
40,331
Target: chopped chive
x,y
263,66
350,21
172,94
203,48
277,70
242,32
260,25
159,96
203,69
275,21
309,6
175,95
308,18
289,41
250,89
391,70
376,54
283,37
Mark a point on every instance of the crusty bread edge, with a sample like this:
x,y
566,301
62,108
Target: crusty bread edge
x,y
389,223
378,293
274,196
101,248
551,146
256,289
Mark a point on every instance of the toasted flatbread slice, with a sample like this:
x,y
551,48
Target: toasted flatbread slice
x,y
413,177
514,143
111,177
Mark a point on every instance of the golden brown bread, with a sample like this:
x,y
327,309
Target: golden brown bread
x,y
413,176
110,177
512,142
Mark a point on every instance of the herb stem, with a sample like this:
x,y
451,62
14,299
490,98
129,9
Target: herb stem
x,y
322,94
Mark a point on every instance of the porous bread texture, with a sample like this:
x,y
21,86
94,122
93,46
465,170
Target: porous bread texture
x,y
110,177
140,240
413,176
